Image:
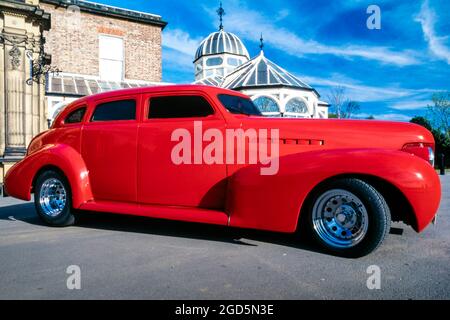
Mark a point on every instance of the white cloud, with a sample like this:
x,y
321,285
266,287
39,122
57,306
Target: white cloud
x,y
282,14
427,19
385,116
179,49
410,105
249,24
177,60
364,93
181,41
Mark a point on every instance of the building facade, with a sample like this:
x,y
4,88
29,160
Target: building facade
x,y
100,48
22,105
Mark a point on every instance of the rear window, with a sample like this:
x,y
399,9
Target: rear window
x,y
75,116
115,110
179,107
239,105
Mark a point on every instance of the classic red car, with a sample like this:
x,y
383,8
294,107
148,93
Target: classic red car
x,y
157,152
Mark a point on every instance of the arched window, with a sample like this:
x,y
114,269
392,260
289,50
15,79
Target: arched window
x,y
267,105
296,105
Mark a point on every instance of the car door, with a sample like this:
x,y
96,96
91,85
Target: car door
x,y
109,148
163,180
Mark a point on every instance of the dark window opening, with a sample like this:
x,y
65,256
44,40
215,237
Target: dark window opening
x,y
239,105
76,116
179,107
115,110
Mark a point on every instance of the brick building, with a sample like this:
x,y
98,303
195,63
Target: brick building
x,y
100,48
97,48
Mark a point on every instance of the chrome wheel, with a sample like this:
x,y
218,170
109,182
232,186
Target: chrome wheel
x,y
340,218
52,197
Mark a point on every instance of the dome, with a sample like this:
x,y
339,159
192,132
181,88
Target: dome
x,y
260,71
221,42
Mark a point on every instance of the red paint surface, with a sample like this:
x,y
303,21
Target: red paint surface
x,y
125,166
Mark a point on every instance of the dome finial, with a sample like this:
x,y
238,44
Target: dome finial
x,y
221,13
261,42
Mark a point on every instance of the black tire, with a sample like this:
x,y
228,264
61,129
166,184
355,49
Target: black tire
x,y
378,217
63,218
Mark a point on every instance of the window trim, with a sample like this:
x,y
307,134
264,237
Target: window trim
x,y
147,97
83,119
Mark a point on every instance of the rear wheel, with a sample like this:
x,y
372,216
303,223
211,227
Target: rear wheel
x,y
348,217
52,199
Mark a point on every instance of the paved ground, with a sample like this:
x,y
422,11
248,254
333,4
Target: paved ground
x,y
134,258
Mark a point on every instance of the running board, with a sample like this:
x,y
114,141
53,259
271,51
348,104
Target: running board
x,y
188,214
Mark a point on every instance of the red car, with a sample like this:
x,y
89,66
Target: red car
x,y
188,153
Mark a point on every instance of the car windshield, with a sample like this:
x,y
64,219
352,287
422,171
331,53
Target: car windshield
x,y
239,105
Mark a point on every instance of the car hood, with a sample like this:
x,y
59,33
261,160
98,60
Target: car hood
x,y
346,133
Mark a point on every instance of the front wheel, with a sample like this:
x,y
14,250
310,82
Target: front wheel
x,y
348,217
52,199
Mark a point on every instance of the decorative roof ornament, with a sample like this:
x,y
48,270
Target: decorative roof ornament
x,y
261,42
221,13
221,41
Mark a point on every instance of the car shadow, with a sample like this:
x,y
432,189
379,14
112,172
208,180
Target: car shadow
x,y
126,223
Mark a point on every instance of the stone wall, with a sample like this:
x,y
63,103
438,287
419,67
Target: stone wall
x,y
22,106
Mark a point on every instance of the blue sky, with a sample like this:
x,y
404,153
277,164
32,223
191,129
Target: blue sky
x,y
392,72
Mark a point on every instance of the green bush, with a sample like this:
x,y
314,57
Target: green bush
x,y
442,140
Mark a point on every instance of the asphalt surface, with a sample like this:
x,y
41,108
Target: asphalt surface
x,y
139,258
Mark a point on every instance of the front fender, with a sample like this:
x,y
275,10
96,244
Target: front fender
x,y
274,202
19,179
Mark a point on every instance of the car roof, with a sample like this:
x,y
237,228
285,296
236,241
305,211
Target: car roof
x,y
162,88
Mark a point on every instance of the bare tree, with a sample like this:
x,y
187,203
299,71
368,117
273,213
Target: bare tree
x,y
343,107
349,108
337,98
440,112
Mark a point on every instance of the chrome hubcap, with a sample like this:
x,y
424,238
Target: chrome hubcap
x,y
52,197
340,218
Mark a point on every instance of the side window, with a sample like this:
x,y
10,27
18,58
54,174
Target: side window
x,y
75,116
115,110
179,107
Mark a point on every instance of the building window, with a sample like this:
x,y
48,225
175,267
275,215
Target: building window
x,y
179,107
115,110
198,68
296,105
111,56
219,72
267,104
233,62
214,62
